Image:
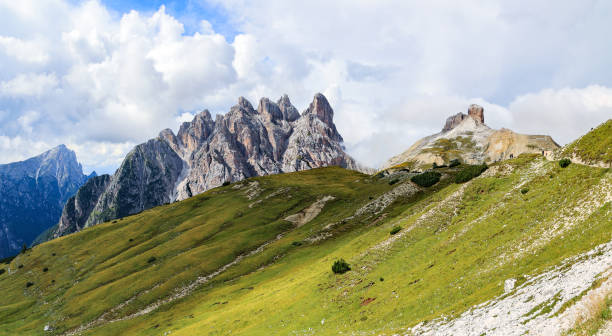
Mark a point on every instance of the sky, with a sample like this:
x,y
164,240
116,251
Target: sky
x,y
103,76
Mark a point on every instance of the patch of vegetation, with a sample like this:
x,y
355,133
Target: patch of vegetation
x,y
29,284
394,181
469,172
524,191
454,163
426,179
2,270
340,266
564,162
595,146
395,230
296,243
226,183
151,260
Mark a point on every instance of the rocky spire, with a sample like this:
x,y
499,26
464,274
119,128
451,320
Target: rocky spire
x,y
321,109
476,112
453,121
269,109
290,113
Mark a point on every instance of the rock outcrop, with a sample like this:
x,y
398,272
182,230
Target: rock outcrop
x,y
205,153
466,137
33,193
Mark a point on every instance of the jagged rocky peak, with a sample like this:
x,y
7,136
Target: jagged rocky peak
x,y
290,113
476,112
321,109
192,134
269,110
204,154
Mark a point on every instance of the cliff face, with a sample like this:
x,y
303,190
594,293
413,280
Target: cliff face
x,y
466,137
32,194
205,153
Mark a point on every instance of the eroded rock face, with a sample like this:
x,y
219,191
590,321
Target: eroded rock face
x,y
469,139
476,112
205,153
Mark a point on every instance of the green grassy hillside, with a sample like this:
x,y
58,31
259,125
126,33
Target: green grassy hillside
x,y
595,146
227,262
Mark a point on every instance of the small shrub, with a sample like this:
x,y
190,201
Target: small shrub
x,y
606,313
24,248
426,179
435,166
564,162
20,266
395,230
152,259
340,267
296,243
29,284
131,239
454,163
53,254
2,270
524,191
382,279
470,172
46,269
226,183
394,181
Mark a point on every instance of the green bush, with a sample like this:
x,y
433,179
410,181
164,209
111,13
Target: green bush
x,y
395,230
152,259
394,181
296,243
29,284
46,269
470,172
435,166
454,163
564,162
426,179
2,270
24,248
524,191
340,266
226,183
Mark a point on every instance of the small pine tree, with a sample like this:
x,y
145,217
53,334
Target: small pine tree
x,y
565,162
340,266
24,248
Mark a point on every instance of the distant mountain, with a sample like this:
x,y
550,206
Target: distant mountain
x,y
466,137
33,193
205,153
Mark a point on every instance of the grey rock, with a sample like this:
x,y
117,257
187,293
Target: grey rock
x,y
33,193
204,154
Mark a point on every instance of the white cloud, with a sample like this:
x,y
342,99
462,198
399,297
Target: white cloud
x,y
23,51
28,85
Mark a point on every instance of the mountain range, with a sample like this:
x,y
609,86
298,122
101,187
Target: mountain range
x,y
33,193
205,153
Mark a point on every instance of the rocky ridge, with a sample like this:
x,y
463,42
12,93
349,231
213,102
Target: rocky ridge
x,y
205,153
466,137
32,194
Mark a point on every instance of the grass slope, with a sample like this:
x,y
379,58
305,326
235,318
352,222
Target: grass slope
x,y
595,146
458,244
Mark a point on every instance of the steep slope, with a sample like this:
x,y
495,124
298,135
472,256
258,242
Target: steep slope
x,y
594,148
466,137
519,248
204,154
32,194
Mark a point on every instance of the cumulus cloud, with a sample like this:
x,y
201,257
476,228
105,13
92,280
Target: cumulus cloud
x,y
102,81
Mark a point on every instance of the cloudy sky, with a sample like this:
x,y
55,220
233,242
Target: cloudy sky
x,y
102,76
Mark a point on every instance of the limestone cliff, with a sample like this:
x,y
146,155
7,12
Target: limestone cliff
x,y
466,137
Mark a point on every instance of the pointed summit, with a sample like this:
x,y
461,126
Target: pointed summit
x,y
290,113
321,109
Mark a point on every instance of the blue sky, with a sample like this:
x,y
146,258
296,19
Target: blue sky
x,y
102,76
188,12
